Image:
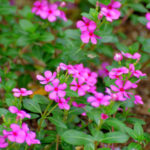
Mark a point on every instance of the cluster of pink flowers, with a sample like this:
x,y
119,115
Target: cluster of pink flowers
x,y
111,11
148,18
21,92
84,80
87,28
20,113
49,11
18,134
57,90
103,72
122,84
0,79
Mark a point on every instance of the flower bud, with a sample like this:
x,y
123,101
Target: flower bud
x,y
118,57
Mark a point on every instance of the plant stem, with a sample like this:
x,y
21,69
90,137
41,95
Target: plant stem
x,y
57,142
51,110
43,116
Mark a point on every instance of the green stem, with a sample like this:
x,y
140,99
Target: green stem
x,y
26,148
57,142
43,116
51,110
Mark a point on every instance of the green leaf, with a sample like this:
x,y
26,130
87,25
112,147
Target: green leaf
x,y
89,146
32,106
105,2
71,93
93,2
7,10
138,7
58,122
134,146
115,137
104,149
75,137
148,5
41,99
131,132
3,111
26,25
117,124
139,131
134,48
47,37
142,20
135,120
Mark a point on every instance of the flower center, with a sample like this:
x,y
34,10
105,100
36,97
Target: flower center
x,y
121,89
78,86
109,7
47,79
99,99
87,24
50,11
91,34
55,89
15,133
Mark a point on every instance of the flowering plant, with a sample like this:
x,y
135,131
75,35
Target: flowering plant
x,y
54,93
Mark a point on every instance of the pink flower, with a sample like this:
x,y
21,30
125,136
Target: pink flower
x,y
21,92
134,56
99,99
69,68
103,72
0,79
110,14
138,100
17,134
136,73
114,96
104,116
62,15
57,90
62,103
86,24
52,12
83,114
3,143
110,11
116,73
148,18
20,113
48,77
29,135
118,57
86,36
40,8
75,104
122,88
79,86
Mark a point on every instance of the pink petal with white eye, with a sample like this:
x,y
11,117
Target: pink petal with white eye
x,y
40,77
53,95
55,82
11,138
16,90
13,109
48,74
48,88
114,88
85,37
51,18
73,88
61,93
17,94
